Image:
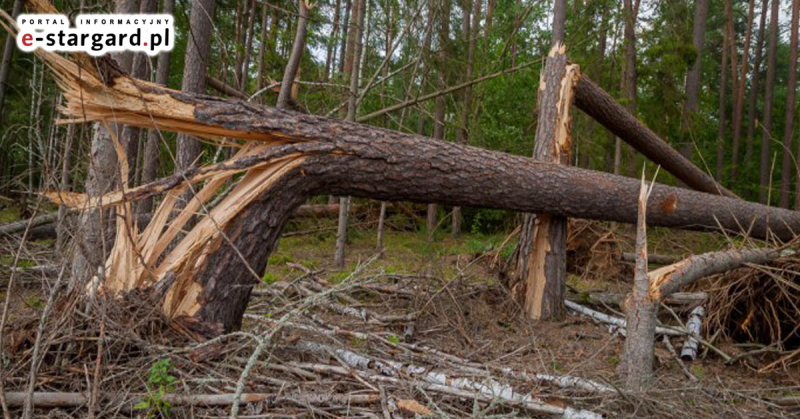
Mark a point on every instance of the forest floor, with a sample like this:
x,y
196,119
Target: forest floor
x,y
440,305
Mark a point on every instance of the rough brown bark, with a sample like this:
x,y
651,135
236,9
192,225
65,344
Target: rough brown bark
x,y
559,21
694,74
329,59
541,266
791,93
739,98
466,112
765,180
439,109
753,97
298,47
151,150
8,53
598,104
194,71
723,86
642,311
628,79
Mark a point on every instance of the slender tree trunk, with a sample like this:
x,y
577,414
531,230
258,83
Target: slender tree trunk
x,y
131,136
345,35
194,71
466,113
723,86
765,180
752,101
344,202
248,49
152,147
628,80
791,94
792,90
739,100
693,77
332,40
262,50
62,230
439,112
293,66
8,53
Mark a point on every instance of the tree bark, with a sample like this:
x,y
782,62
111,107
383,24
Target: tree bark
x,y
8,53
439,111
598,104
332,41
628,80
739,99
262,50
151,150
345,35
723,86
765,178
248,49
642,311
352,108
753,97
693,77
194,71
791,94
297,54
541,264
466,113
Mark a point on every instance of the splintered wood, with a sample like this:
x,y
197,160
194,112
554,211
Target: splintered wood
x,y
143,257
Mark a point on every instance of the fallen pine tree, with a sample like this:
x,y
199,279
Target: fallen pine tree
x,y
286,157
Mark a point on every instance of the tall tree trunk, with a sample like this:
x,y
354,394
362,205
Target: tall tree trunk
x,y
470,37
293,66
542,261
248,49
194,72
723,86
352,108
791,94
752,101
5,66
131,136
345,35
765,180
262,50
628,80
792,91
152,147
439,111
690,106
739,99
332,40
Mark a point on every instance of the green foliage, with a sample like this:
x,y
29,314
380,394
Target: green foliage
x,y
160,383
393,339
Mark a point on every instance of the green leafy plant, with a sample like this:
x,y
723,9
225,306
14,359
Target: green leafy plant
x,y
394,339
159,384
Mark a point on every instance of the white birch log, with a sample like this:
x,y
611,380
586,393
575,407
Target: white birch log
x,y
616,321
695,325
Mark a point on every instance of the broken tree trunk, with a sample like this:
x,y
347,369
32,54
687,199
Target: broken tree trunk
x,y
288,157
542,263
598,104
637,355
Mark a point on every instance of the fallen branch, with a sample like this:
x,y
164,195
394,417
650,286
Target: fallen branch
x,y
515,400
616,321
60,400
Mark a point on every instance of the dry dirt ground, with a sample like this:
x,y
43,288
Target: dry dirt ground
x,y
439,305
